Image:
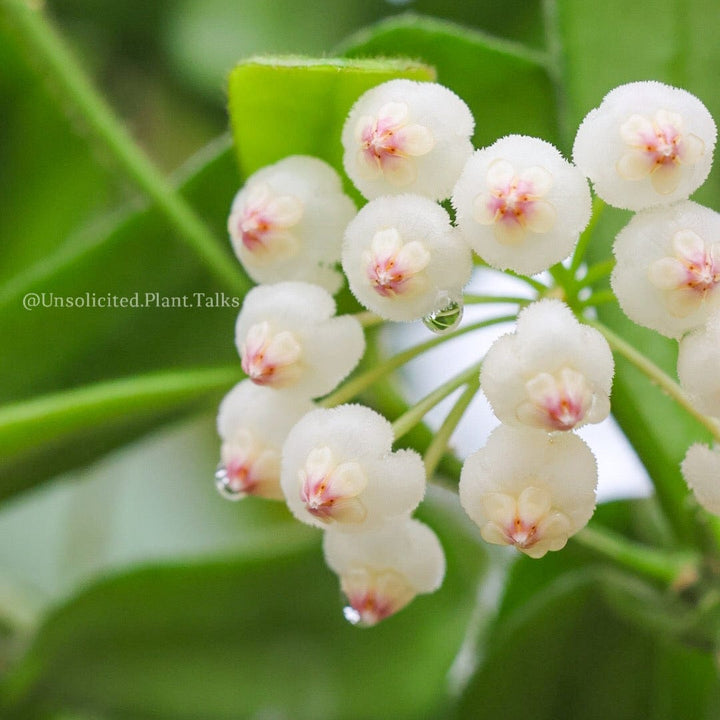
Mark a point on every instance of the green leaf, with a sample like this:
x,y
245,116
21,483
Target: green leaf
x,y
560,647
31,431
297,106
506,85
241,638
55,348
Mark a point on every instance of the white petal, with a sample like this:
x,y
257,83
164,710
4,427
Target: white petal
x,y
632,130
540,179
667,273
285,210
635,165
416,140
541,217
666,178
500,174
689,245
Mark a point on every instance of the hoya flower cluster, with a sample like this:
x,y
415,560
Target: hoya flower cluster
x,y
520,206
533,484
657,145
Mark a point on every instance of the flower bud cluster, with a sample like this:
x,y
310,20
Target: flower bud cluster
x,y
533,484
647,147
520,206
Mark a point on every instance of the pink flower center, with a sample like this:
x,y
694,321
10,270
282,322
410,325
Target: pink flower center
x,y
393,267
387,143
270,358
330,490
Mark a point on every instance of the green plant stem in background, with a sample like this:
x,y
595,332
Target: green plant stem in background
x,y
361,382
654,373
45,418
487,299
69,78
439,443
598,206
598,298
597,272
677,569
417,412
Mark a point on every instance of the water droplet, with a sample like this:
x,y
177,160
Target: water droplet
x,y
223,484
445,319
352,615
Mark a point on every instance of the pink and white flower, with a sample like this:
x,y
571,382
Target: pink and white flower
x,y
698,366
338,470
381,571
406,136
287,222
667,275
402,257
253,423
521,205
288,338
529,489
552,373
646,144
701,470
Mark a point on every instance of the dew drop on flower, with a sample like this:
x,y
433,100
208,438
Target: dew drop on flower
x,y
446,318
224,486
351,615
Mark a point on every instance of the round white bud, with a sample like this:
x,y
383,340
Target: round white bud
x,y
552,373
406,136
287,337
698,366
381,571
287,222
646,144
253,423
338,469
667,275
403,259
529,489
521,205
701,470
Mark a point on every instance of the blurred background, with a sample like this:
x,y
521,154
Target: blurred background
x,y
227,610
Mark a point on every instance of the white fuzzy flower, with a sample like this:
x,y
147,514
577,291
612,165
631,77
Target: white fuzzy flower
x,y
521,205
288,338
287,222
381,571
402,257
406,136
698,366
338,469
552,373
529,489
701,470
253,423
646,144
668,267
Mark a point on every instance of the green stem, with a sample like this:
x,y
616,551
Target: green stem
x,y
439,443
47,418
596,272
68,77
598,298
658,376
361,382
598,206
368,319
532,282
677,569
483,299
408,420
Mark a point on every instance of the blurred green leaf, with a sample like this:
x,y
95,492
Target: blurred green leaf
x,y
241,638
297,106
559,647
506,85
137,257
